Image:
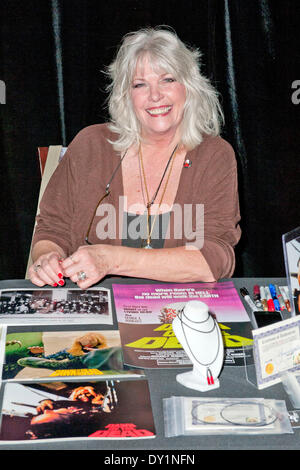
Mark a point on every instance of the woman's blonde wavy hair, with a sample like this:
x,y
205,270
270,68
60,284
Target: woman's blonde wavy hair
x,y
202,111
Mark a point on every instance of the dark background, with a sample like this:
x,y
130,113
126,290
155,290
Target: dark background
x,y
51,57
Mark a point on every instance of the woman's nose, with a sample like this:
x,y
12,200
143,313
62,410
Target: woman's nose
x,y
155,93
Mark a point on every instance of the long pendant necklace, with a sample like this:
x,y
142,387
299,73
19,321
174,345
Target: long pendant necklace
x,y
209,363
147,244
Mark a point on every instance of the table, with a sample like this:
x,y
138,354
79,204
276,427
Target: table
x,y
163,384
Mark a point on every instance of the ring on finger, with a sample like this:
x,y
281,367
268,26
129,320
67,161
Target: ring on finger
x,y
36,268
81,276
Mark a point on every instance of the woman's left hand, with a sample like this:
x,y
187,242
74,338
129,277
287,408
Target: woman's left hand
x,y
88,265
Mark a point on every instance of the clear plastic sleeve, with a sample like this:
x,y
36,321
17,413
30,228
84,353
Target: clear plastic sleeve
x,y
196,416
291,384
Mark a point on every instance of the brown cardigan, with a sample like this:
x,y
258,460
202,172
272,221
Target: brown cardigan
x,y
80,180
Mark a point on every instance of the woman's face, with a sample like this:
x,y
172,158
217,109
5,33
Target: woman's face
x,y
158,101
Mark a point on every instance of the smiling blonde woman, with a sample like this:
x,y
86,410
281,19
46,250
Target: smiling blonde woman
x,y
152,193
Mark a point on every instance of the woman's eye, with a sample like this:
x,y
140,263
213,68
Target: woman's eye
x,y
169,80
137,85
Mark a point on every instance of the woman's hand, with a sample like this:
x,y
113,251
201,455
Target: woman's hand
x,y
47,270
88,265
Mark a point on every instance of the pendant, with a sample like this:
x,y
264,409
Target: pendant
x,y
147,246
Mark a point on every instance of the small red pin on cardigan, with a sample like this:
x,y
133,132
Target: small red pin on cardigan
x,y
187,163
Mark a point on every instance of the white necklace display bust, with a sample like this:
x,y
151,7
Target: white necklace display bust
x,y
200,336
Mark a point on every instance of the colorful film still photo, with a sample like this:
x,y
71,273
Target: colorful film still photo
x,y
49,354
105,409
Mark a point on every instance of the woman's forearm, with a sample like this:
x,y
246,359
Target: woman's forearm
x,y
167,264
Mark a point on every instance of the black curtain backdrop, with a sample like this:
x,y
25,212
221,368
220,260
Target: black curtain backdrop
x,y
52,54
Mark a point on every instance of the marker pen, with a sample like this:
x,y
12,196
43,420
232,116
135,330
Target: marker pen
x,y
256,297
273,295
263,298
271,306
280,298
247,298
285,298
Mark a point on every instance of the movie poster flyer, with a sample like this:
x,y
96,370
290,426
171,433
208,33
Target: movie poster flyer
x,y
33,355
145,313
102,409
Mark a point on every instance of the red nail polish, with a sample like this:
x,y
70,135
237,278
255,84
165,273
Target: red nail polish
x,y
60,275
55,284
61,283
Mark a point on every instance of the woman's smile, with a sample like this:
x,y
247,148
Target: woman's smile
x,y
159,111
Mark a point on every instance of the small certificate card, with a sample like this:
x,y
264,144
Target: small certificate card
x,y
276,349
